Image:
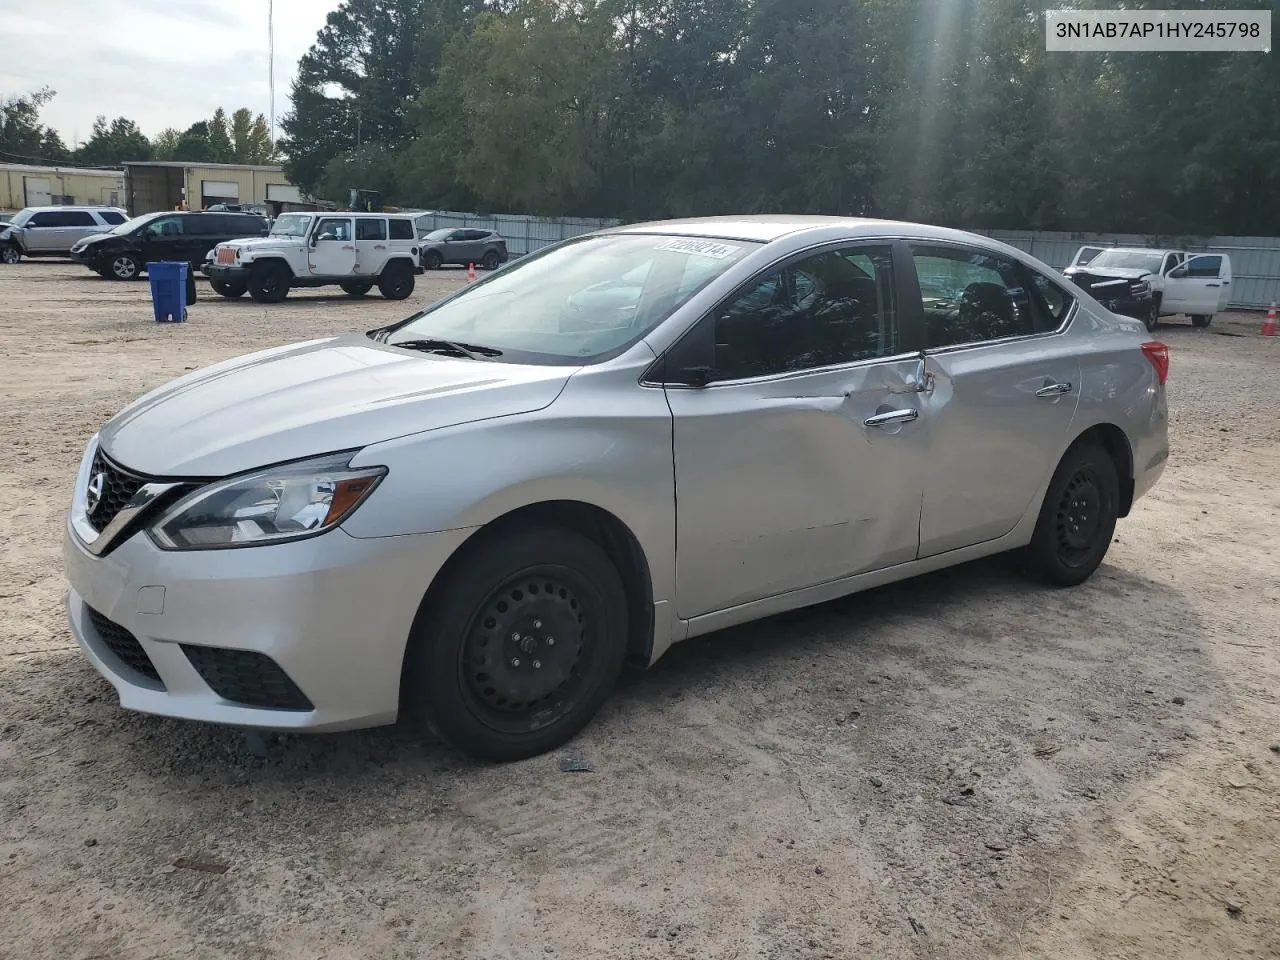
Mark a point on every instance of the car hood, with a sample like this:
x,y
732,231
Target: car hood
x,y
265,243
1110,273
93,238
312,398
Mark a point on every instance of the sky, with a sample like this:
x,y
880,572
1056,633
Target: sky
x,y
161,63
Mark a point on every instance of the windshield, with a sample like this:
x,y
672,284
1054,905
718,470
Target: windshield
x,y
290,225
579,301
21,217
131,225
1128,260
438,234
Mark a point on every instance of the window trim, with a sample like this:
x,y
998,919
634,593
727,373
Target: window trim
x,y
917,301
909,322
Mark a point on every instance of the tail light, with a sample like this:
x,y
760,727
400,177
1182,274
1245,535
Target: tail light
x,y
1158,354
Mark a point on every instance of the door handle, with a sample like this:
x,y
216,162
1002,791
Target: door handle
x,y
379,246
1054,390
891,417
1213,284
347,246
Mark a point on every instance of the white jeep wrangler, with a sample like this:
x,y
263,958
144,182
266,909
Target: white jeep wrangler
x,y
352,250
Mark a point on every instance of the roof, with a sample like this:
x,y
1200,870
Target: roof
x,y
61,171
270,168
58,208
766,228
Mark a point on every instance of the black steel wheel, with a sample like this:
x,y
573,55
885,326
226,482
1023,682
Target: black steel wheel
x,y
231,289
491,260
517,649
124,266
1077,519
269,282
396,281
10,253
357,288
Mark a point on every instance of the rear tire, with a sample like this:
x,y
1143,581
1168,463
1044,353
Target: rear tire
x,y
229,289
491,260
10,253
1201,320
431,260
269,282
1077,519
520,645
396,281
357,288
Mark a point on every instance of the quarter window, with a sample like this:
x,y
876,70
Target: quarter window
x,y
111,217
831,308
973,297
402,229
369,229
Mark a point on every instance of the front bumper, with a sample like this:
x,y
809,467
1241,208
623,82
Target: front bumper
x,y
91,258
333,614
226,272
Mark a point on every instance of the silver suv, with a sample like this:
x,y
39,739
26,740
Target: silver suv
x,y
53,231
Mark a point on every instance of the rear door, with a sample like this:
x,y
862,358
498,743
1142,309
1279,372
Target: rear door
x,y
371,245
1003,395
76,225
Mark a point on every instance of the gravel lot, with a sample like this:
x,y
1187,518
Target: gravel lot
x,y
963,766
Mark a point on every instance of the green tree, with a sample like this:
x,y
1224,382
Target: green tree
x,y
165,143
22,136
114,143
250,139
220,149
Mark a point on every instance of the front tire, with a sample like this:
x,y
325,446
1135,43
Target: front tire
x,y
357,288
10,253
518,648
124,266
1201,320
229,289
1152,319
396,281
269,282
1077,519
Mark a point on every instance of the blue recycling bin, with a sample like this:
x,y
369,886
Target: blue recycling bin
x,y
169,290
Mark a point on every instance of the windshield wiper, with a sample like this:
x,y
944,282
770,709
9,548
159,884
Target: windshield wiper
x,y
469,350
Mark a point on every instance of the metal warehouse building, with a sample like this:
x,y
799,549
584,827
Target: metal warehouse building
x,y
28,185
165,185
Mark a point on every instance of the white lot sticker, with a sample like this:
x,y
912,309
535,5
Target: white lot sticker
x,y
702,248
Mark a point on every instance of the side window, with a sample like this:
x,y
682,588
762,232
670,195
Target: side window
x,y
111,217
205,225
78,218
831,308
333,229
371,229
972,297
1053,299
402,229
45,220
165,227
1204,267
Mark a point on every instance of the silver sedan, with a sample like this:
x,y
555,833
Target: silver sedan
x,y
479,515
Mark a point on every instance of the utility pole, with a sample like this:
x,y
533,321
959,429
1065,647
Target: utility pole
x,y
271,71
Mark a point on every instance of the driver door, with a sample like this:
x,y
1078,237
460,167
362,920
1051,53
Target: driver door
x,y
333,248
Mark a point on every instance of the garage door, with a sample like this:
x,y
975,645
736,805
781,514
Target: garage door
x,y
39,191
284,193
227,191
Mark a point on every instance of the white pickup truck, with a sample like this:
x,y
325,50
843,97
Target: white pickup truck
x,y
1194,285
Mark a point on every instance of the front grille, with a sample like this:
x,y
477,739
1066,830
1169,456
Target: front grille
x,y
124,645
247,677
118,488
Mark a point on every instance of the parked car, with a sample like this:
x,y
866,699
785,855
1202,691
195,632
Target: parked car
x,y
463,246
124,252
255,208
478,514
53,231
355,251
1150,284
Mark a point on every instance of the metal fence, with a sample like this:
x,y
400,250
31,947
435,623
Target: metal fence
x,y
1255,261
523,234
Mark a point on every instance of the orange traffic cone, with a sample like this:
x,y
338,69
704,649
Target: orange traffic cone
x,y
1269,325
471,273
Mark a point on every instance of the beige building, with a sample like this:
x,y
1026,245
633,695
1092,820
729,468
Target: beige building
x,y
27,185
164,185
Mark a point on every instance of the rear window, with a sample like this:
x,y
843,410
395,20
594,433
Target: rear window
x,y
402,229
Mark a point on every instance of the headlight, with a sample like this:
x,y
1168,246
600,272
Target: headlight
x,y
1141,288
289,502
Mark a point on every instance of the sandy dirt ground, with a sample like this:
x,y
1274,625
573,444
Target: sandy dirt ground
x,y
964,766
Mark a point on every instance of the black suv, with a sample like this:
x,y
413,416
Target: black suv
x,y
123,253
